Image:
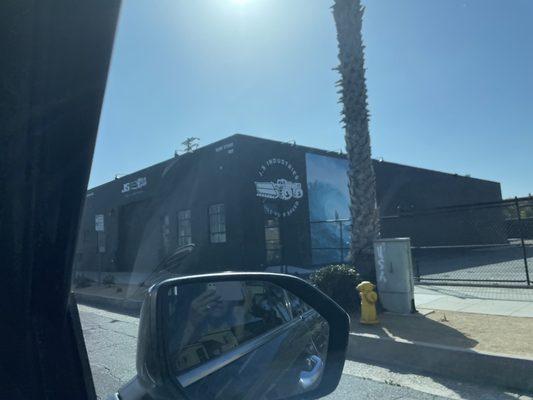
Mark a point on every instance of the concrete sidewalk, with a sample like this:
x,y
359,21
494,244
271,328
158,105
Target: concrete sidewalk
x,y
478,300
479,348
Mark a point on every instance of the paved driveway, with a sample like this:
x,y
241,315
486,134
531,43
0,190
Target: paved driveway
x,y
496,263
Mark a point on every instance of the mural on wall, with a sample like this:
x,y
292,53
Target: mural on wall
x,y
329,199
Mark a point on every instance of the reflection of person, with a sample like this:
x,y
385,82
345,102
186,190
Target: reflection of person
x,y
212,319
213,327
272,308
206,304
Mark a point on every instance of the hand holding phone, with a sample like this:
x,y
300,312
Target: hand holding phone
x,y
227,291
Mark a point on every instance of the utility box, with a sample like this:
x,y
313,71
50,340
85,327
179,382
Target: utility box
x,y
394,274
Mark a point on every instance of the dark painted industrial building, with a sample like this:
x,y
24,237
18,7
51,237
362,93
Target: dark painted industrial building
x,y
247,203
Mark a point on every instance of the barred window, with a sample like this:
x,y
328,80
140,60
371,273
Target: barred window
x,y
217,223
272,241
184,228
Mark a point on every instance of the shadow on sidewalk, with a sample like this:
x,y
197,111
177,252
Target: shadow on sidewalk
x,y
414,327
418,328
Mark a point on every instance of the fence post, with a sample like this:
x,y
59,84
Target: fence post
x,y
524,251
342,243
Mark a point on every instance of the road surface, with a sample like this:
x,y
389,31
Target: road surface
x,y
111,341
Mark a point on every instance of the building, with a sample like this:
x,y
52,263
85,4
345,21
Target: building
x,y
247,203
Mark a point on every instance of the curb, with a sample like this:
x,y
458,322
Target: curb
x,y
122,306
450,362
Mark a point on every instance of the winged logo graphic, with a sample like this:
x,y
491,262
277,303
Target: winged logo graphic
x,y
281,189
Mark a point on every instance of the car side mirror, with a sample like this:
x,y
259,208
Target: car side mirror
x,y
239,335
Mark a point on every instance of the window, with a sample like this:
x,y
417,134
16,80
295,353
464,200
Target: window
x,y
184,228
252,309
272,241
217,223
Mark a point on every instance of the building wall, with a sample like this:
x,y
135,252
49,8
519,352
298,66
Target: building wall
x,y
402,188
404,195
97,250
408,198
263,162
143,207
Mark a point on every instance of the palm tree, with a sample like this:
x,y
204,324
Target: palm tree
x,y
348,16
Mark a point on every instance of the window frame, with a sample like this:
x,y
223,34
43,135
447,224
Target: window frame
x,y
178,224
271,246
217,233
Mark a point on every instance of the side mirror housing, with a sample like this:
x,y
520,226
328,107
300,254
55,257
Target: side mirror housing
x,y
239,335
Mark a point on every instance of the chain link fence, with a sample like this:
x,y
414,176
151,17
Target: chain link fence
x,y
489,244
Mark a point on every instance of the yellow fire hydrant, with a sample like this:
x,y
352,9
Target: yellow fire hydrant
x,y
368,303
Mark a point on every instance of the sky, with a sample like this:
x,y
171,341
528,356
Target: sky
x,y
450,83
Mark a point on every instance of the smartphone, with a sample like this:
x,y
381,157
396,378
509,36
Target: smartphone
x,y
228,291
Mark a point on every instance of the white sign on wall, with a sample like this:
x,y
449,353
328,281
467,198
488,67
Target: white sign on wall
x,y
281,189
134,185
99,222
226,146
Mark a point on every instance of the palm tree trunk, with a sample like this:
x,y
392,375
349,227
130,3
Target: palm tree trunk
x,y
348,16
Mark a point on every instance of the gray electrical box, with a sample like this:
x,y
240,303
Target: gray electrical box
x,y
394,274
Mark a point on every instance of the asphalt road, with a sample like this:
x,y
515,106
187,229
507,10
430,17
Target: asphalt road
x,y
111,341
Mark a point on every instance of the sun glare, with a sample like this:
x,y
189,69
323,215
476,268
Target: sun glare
x,y
239,2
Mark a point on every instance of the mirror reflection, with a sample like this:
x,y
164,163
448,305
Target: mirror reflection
x,y
243,339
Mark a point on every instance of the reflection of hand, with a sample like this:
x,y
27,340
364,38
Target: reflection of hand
x,y
239,314
200,307
202,304
240,311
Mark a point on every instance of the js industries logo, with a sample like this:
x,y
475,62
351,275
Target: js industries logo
x,y
134,185
279,187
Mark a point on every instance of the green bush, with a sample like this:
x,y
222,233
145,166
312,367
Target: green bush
x,y
339,282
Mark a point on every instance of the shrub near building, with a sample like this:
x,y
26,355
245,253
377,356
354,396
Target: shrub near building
x,y
339,282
